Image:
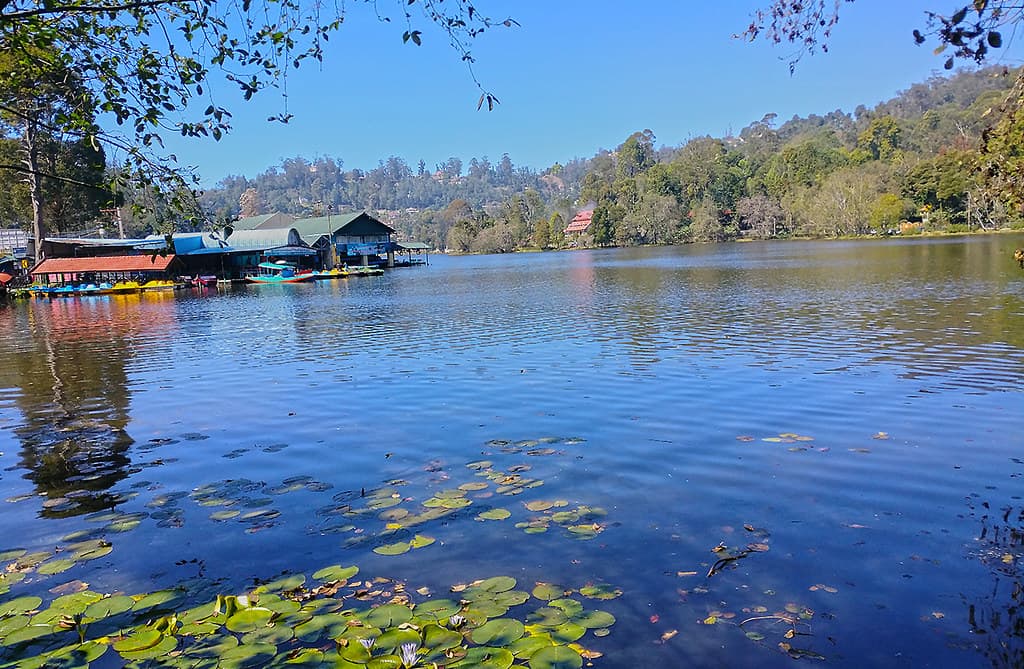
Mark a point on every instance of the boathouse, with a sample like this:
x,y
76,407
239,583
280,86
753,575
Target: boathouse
x,y
355,238
110,269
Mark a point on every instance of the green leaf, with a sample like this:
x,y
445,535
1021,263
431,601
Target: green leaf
x,y
20,605
556,657
388,615
494,514
497,584
500,632
393,549
336,573
249,619
109,606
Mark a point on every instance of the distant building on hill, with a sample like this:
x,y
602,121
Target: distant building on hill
x,y
580,223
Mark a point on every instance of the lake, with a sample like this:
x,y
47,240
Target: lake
x,y
744,453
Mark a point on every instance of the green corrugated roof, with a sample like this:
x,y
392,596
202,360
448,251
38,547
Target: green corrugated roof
x,y
414,246
275,220
263,239
311,229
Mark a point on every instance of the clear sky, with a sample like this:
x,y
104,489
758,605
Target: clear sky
x,y
576,76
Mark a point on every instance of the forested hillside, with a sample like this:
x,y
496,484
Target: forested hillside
x,y
911,162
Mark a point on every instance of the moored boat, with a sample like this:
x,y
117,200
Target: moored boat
x,y
278,272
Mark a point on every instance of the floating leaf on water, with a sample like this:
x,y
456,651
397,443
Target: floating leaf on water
x,y
480,464
600,591
454,502
499,632
20,605
336,573
438,609
570,607
567,632
494,514
90,550
13,553
393,514
54,567
109,606
393,549
419,541
224,515
247,655
30,560
556,657
389,615
485,657
595,619
249,619
473,486
439,638
283,584
755,636
496,584
392,639
525,647
539,505
772,439
74,603
139,641
548,591
156,599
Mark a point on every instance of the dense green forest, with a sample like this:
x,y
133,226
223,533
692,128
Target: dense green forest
x,y
910,163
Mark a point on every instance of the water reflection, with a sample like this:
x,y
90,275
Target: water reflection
x,y
70,381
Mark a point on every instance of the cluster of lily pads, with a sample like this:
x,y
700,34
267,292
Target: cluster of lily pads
x,y
336,622
18,564
401,515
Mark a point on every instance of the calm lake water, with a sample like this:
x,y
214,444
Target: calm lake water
x,y
847,418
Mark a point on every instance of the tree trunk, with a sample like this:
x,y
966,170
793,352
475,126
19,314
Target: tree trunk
x,y
35,187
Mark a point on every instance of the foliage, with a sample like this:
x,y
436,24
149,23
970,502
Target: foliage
x,y
151,68
972,29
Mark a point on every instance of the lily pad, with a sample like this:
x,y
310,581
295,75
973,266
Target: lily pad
x,y
55,566
483,657
20,605
336,573
250,619
109,606
247,655
438,609
556,657
595,619
548,591
393,549
497,584
500,632
525,648
420,541
389,615
494,514
600,591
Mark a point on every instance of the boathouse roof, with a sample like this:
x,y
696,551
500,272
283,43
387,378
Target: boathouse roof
x,y
140,263
351,224
275,220
261,240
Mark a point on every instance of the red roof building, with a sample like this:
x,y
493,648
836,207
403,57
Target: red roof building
x,y
580,222
104,264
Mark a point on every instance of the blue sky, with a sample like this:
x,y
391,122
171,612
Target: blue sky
x,y
575,76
